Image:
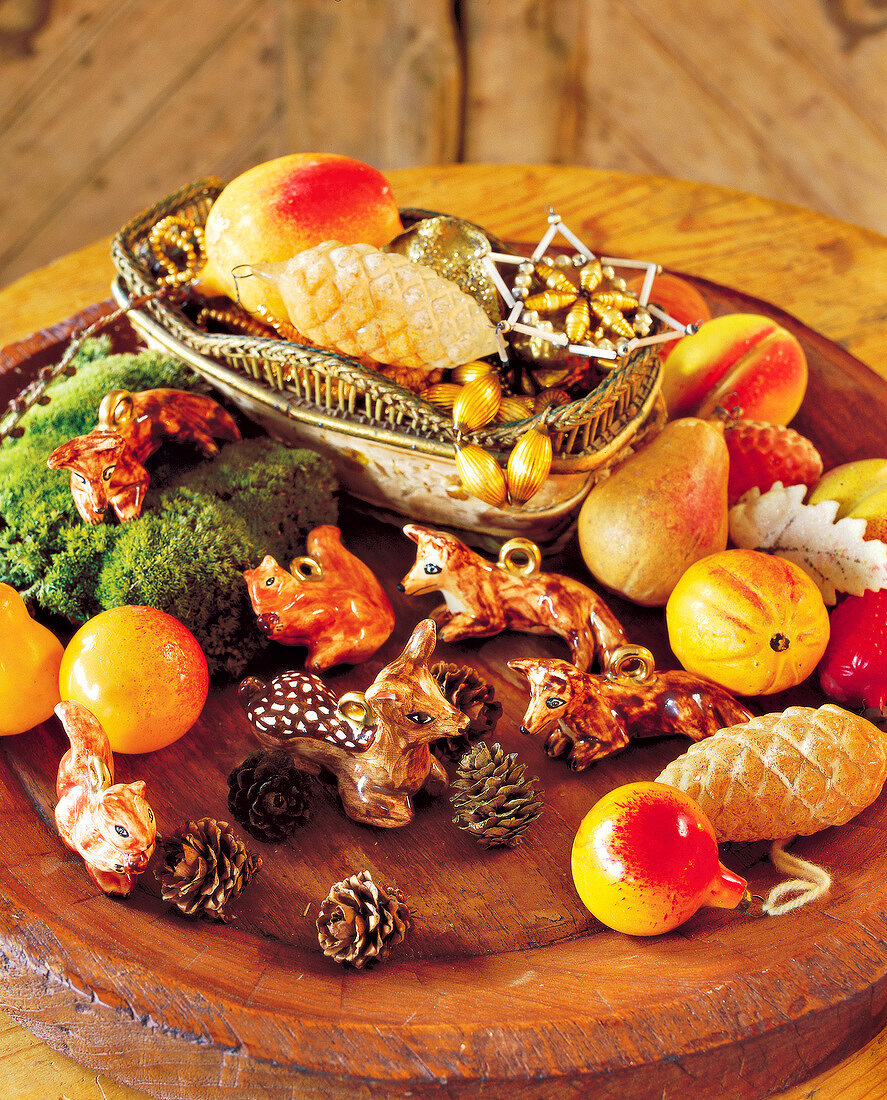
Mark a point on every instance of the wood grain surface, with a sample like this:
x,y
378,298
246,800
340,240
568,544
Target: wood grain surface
x,y
547,922
105,104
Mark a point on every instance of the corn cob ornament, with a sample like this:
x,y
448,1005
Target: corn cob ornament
x,y
381,308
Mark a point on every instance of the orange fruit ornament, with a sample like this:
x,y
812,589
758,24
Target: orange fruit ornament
x,y
752,622
141,672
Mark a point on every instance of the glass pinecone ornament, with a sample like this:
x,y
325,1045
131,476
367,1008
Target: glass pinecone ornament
x,y
268,795
359,922
493,799
470,693
205,867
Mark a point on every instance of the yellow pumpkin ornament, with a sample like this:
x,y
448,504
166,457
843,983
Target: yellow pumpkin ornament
x,y
752,622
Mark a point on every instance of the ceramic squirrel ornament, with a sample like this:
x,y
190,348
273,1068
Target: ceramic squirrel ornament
x,y
106,465
109,824
596,716
375,743
482,598
329,601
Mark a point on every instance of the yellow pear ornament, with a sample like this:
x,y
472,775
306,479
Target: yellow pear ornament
x,y
30,656
659,512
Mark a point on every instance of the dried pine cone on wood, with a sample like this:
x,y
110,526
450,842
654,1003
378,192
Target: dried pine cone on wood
x,y
494,801
268,795
784,775
205,868
470,693
360,922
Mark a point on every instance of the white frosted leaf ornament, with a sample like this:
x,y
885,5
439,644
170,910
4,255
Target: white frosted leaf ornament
x,y
835,554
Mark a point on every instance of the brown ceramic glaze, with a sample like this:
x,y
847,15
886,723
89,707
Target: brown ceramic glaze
x,y
598,715
483,598
106,464
331,602
147,419
109,824
104,475
376,743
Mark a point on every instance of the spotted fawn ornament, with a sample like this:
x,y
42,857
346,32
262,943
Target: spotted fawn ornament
x,y
375,743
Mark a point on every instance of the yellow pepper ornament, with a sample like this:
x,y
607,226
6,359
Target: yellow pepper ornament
x,y
30,656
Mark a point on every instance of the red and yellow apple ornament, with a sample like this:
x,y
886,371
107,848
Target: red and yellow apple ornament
x,y
645,859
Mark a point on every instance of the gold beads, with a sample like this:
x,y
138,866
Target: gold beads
x,y
178,249
467,372
442,394
478,402
529,465
481,475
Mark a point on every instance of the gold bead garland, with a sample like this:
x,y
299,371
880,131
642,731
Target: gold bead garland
x,y
177,246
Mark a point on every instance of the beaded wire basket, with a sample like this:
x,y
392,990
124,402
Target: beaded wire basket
x,y
339,406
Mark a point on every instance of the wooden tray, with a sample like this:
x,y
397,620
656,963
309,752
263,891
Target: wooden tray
x,y
506,986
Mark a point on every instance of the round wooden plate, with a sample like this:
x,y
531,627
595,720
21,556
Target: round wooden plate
x,y
506,985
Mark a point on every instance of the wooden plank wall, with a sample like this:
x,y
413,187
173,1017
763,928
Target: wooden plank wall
x,y
106,105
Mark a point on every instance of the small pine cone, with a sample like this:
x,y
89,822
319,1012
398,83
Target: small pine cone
x,y
762,454
360,922
205,867
268,795
469,693
494,801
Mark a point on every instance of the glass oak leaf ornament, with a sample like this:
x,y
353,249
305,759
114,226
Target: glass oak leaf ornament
x,y
834,553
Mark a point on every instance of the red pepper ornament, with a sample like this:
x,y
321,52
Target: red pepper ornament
x,y
645,859
854,667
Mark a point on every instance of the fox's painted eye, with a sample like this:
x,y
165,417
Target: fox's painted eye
x,y
419,717
120,831
108,472
432,567
269,583
79,478
554,702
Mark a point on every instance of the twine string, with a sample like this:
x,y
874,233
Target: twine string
x,y
808,881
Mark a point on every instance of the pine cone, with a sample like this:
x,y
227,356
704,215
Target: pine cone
x,y
380,307
493,799
205,867
359,922
782,775
467,692
267,794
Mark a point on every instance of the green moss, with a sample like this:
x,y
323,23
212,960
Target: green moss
x,y
203,522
